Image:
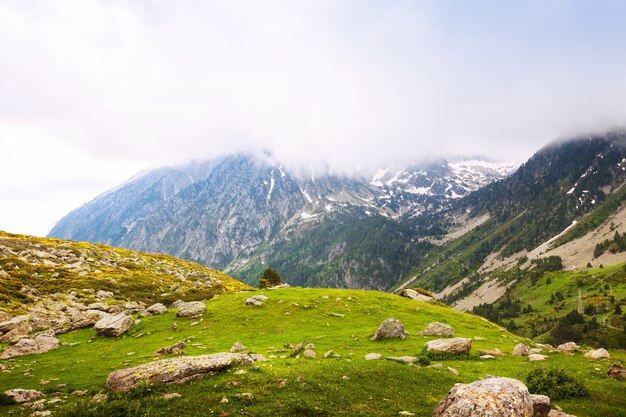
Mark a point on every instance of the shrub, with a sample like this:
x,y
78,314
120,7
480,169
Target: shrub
x,y
270,278
423,360
555,383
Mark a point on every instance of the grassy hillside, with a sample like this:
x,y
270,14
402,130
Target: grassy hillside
x,y
338,320
53,266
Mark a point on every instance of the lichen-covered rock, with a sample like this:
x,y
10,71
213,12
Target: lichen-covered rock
x,y
178,369
598,354
114,325
541,405
23,395
568,347
493,397
390,329
521,350
616,371
454,345
26,346
190,309
438,329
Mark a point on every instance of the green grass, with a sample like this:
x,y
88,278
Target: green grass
x,y
296,386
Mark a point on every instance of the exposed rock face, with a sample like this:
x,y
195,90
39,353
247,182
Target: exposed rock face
x,y
492,397
454,345
568,347
39,344
521,350
616,371
23,395
114,325
598,354
416,295
190,309
179,369
156,308
438,329
541,405
389,329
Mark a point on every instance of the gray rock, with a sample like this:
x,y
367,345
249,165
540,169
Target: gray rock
x,y
437,329
256,300
238,347
537,357
453,371
521,350
180,369
541,405
190,309
99,306
309,354
389,329
7,326
297,349
557,413
23,395
487,357
373,356
329,354
598,354
568,347
175,349
616,371
416,295
26,346
454,345
103,295
491,352
488,397
114,325
154,309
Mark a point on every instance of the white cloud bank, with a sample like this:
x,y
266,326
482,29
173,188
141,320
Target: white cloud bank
x,y
87,84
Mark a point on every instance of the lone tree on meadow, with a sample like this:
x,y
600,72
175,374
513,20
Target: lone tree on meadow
x,y
270,278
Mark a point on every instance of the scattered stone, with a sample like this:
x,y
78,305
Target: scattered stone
x,y
115,325
389,329
537,357
557,413
246,396
43,413
491,352
328,354
568,347
437,329
487,397
345,377
80,392
26,346
598,354
7,326
416,295
487,357
154,309
257,357
238,347
616,371
534,350
406,413
297,349
478,338
373,356
180,369
310,346
401,359
103,295
454,345
175,349
23,395
454,371
190,309
436,366
521,350
338,315
100,307
541,405
240,372
309,354
171,395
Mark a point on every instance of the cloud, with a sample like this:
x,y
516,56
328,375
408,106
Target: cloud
x,y
349,83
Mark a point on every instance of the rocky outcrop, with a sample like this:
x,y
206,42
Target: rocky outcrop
x,y
598,354
23,395
179,369
114,325
8,325
616,371
26,346
489,397
390,329
438,329
521,350
454,345
190,309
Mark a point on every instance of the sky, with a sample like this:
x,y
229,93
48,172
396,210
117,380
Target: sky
x,y
92,92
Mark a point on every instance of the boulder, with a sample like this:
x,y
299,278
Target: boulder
x,y
598,354
416,295
23,395
238,347
8,325
190,309
537,357
454,345
521,350
26,346
309,354
491,352
616,371
154,309
541,405
438,329
114,325
568,347
99,306
488,397
180,369
390,329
